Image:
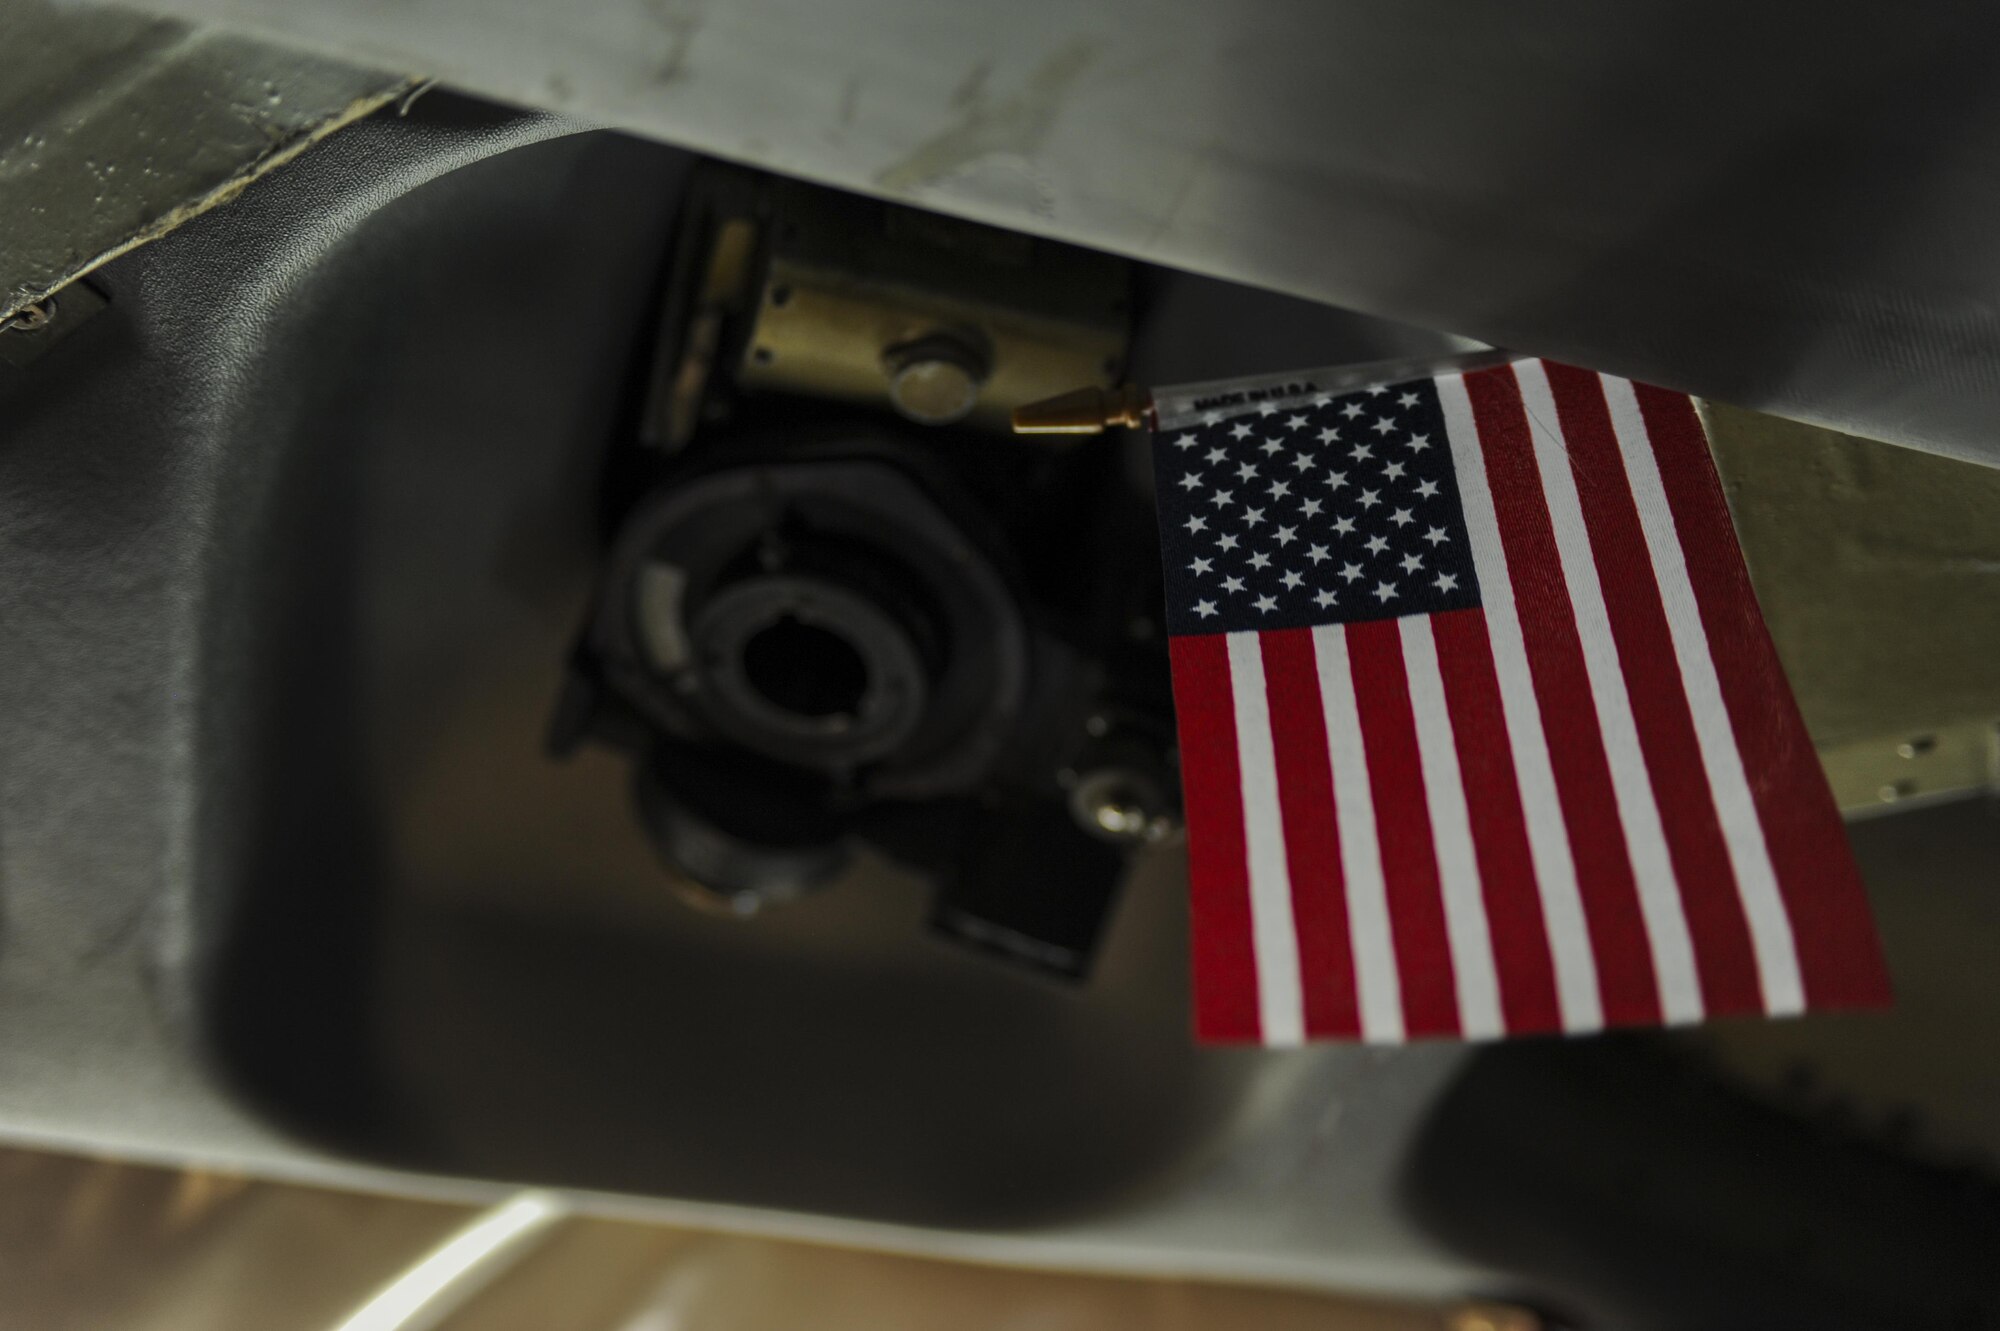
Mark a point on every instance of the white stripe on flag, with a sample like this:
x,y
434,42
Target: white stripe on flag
x,y
1548,835
1378,989
1638,811
1273,932
1451,834
1729,786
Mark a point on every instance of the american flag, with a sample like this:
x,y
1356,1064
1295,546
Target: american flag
x,y
1481,729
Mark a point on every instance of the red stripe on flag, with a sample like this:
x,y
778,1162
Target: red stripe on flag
x,y
1312,840
1225,959
1499,828
1402,817
1724,957
1840,958
1562,689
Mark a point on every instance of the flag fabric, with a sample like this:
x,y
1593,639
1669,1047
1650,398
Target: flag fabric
x,y
1481,730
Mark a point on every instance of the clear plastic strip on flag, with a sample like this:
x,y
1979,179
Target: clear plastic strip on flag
x,y
1183,405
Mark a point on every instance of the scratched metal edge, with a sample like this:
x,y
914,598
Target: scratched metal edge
x,y
117,128
1815,263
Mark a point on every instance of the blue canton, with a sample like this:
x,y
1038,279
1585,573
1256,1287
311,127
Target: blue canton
x,y
1333,509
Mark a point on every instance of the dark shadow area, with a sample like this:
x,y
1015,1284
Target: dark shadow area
x,y
1832,1172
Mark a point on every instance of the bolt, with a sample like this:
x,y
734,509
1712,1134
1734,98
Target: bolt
x,y
1121,818
31,318
935,380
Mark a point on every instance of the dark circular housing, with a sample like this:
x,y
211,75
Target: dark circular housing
x,y
807,671
831,615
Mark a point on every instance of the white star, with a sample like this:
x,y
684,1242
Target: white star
x,y
1286,536
1226,541
1325,599
1361,453
1384,590
1369,499
1211,418
1216,454
1271,445
1302,462
1291,579
1322,400
1240,430
1267,410
1411,563
1426,489
1351,410
1310,508
1202,565
1190,481
1204,608
1447,582
1232,584
1436,536
1267,604
1383,425
1260,561
1394,471
1253,516
1318,554
1377,390
1185,441
1350,572
1401,517
1328,435
1419,442
1246,471
1281,489
1197,523
1343,526
1295,422
1376,545
1336,479
1407,400
1221,497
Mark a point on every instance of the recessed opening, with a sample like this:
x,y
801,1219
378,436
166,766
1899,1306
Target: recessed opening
x,y
805,669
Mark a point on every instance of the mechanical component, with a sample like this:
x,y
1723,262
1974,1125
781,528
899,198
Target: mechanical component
x,y
935,380
814,638
818,629
825,615
1120,804
1120,788
790,288
741,848
31,332
807,670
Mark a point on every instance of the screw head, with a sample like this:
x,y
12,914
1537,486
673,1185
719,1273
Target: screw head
x,y
935,380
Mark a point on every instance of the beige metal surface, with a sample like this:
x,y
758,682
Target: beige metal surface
x,y
1878,569
853,296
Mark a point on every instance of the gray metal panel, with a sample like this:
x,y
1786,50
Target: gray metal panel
x,y
208,533
1784,208
116,127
